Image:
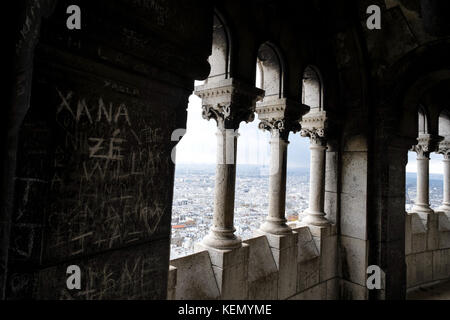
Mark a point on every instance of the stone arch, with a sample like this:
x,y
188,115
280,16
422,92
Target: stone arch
x,y
271,67
410,79
422,120
312,88
220,57
444,124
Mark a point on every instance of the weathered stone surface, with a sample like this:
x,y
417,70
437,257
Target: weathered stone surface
x,y
441,264
328,258
331,206
231,271
195,277
353,208
135,274
172,283
354,259
287,271
308,274
318,292
352,291
444,221
444,240
408,234
354,169
307,249
262,270
433,232
333,286
419,268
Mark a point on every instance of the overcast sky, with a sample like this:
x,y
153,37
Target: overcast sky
x,y
198,146
199,143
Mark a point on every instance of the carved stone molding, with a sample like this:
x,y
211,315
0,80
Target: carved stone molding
x,y
444,149
314,126
280,114
426,144
229,102
317,136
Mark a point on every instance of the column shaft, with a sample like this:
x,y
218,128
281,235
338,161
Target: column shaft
x,y
446,196
276,221
422,203
222,231
315,212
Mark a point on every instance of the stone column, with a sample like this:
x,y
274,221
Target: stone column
x,y
423,149
275,222
222,231
313,126
280,117
444,149
229,103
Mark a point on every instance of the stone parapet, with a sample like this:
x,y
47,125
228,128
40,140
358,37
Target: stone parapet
x,y
301,265
427,249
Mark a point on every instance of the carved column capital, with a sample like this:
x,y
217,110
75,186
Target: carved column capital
x,y
317,136
314,126
426,144
444,149
229,102
282,115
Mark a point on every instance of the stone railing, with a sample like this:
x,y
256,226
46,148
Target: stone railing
x,y
302,265
427,249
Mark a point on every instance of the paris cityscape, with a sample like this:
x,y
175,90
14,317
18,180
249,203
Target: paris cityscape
x,y
193,201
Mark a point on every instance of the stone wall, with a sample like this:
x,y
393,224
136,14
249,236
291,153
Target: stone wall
x,y
427,249
93,173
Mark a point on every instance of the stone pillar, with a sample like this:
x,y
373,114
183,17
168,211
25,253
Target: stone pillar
x,y
313,126
423,149
280,116
222,231
229,103
275,222
444,149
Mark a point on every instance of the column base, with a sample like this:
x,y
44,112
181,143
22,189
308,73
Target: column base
x,y
275,226
422,208
222,239
315,219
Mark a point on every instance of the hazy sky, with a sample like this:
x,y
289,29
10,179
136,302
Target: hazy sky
x,y
199,143
198,146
